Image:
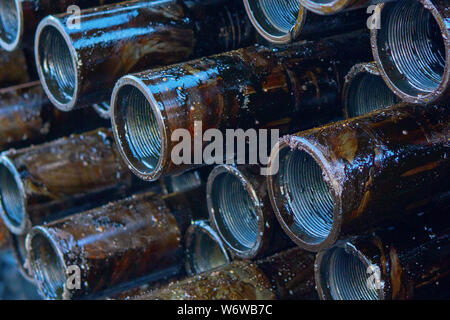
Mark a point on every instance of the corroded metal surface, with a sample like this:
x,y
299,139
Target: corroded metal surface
x,y
334,6
255,87
141,236
13,68
287,275
376,168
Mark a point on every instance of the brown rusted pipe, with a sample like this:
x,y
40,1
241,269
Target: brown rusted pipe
x,y
13,68
283,21
4,237
27,116
406,261
344,178
256,87
286,275
19,18
240,210
332,7
365,91
204,248
412,49
79,66
113,245
44,180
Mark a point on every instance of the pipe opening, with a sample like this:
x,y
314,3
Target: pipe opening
x,y
12,199
411,47
234,212
275,17
345,276
141,136
307,195
367,93
47,267
205,252
9,21
56,64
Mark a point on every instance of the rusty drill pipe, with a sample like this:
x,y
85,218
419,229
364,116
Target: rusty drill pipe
x,y
332,7
20,18
283,21
344,178
4,237
404,261
255,87
27,116
78,67
118,243
412,49
286,275
240,210
204,249
13,68
44,180
365,91
185,181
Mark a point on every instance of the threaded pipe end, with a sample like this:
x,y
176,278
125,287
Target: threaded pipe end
x,y
10,24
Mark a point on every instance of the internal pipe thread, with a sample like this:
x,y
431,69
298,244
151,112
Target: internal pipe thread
x,y
367,93
307,195
281,14
46,266
347,278
235,212
9,21
11,197
56,64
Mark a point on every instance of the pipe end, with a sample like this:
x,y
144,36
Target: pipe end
x,y
326,7
11,24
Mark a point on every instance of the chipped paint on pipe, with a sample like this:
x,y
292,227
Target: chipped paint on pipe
x,y
282,22
43,180
81,65
204,249
289,88
412,49
20,18
286,275
139,237
344,178
365,91
240,210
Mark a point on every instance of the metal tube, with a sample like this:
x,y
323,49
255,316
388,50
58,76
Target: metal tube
x,y
27,116
283,21
240,210
113,245
78,67
412,49
344,178
13,68
4,237
287,275
405,261
20,256
42,181
19,18
255,87
204,249
332,7
365,91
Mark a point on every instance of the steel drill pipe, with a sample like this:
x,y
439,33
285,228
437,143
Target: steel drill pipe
x,y
205,249
20,18
412,49
286,275
255,87
44,180
283,21
332,7
4,237
405,261
118,243
240,210
78,67
344,178
27,116
13,68
365,91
